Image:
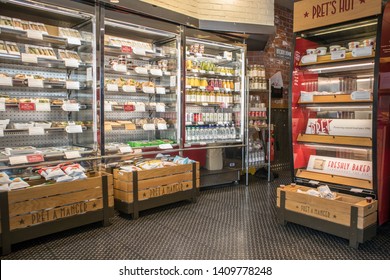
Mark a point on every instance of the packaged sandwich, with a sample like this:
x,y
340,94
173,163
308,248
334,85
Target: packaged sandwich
x,y
12,48
17,23
3,48
6,22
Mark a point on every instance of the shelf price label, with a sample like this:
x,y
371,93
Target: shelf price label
x,y
34,34
126,88
17,160
29,58
148,89
125,149
202,71
129,108
26,159
112,87
107,107
165,146
156,72
6,81
74,41
139,51
2,104
141,70
126,49
73,85
36,131
35,83
71,107
74,129
42,107
160,107
140,107
72,154
120,67
149,126
162,126
307,97
27,106
71,63
35,158
160,90
335,55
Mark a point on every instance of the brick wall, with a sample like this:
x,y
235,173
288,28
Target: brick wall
x,y
283,39
243,11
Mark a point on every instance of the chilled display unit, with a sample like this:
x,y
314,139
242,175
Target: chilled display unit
x,y
47,102
140,88
214,116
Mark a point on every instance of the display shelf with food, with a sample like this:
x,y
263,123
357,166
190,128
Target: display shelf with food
x,y
46,80
48,155
336,141
141,72
214,117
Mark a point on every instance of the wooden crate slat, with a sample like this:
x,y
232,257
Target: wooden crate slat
x,y
164,190
124,196
166,171
166,180
78,208
334,179
153,182
56,189
337,140
123,175
53,201
123,185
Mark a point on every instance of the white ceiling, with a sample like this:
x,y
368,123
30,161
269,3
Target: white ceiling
x,y
286,3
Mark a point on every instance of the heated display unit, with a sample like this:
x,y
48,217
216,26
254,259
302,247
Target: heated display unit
x,y
336,139
214,115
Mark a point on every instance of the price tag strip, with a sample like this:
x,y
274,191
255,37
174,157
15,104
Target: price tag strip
x,y
36,131
72,154
125,149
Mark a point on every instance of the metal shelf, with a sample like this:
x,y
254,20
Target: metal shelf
x,y
200,73
42,62
149,55
20,36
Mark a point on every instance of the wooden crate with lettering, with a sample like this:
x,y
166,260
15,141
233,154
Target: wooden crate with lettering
x,y
347,216
40,210
141,190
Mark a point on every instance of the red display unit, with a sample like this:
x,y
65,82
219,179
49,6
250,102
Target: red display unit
x,y
340,102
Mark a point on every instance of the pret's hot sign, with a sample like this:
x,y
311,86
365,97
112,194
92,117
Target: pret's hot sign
x,y
309,14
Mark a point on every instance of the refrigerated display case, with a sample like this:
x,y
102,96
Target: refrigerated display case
x,y
48,121
214,115
140,89
334,109
47,104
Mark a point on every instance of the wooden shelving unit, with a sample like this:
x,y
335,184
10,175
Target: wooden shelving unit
x,y
335,98
327,59
335,140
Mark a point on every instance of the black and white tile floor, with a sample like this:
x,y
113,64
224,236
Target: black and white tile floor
x,y
233,222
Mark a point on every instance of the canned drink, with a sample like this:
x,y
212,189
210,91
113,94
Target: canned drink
x,y
206,117
196,48
211,82
191,117
220,83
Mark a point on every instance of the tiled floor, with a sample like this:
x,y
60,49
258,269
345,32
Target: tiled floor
x,y
233,222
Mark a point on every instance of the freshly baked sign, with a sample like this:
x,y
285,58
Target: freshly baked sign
x,y
342,167
340,127
309,14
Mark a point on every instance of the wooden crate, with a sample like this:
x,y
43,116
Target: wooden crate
x,y
347,216
35,208
137,191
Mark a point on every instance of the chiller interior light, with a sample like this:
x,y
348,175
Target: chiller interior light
x,y
341,67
